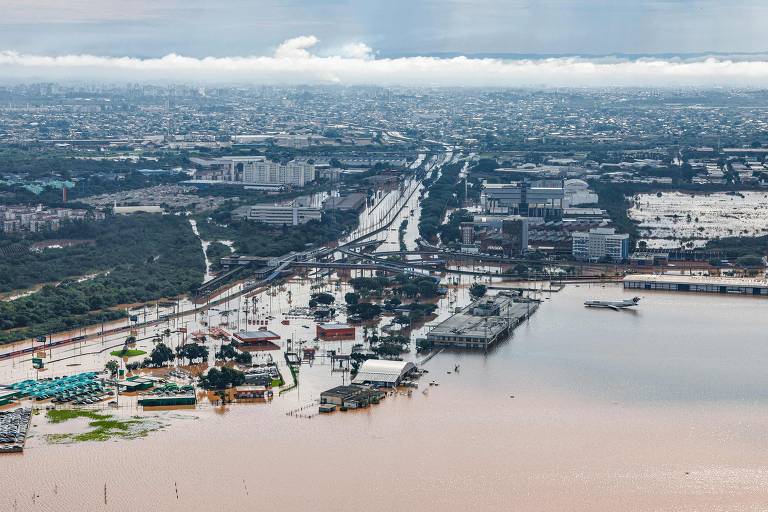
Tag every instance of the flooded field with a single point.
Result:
(580, 410)
(672, 219)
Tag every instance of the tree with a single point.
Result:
(401, 319)
(222, 378)
(750, 260)
(427, 288)
(244, 358)
(112, 366)
(409, 290)
(192, 352)
(368, 311)
(227, 352)
(161, 355)
(424, 345)
(520, 269)
(323, 298)
(351, 298)
(477, 290)
(388, 349)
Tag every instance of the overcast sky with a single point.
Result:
(380, 29)
(245, 27)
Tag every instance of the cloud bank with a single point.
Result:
(294, 62)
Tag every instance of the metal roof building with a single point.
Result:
(707, 284)
(381, 372)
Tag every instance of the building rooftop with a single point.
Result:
(334, 326)
(382, 370)
(465, 323)
(257, 335)
(688, 279)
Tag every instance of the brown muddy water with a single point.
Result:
(663, 408)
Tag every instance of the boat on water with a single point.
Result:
(613, 304)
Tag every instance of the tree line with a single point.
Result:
(143, 258)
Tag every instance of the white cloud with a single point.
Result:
(293, 62)
(296, 48)
(356, 51)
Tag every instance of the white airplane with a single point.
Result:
(613, 304)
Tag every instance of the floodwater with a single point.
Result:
(662, 408)
(670, 218)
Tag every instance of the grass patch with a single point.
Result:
(127, 353)
(294, 371)
(62, 415)
(103, 427)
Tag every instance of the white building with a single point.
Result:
(290, 215)
(600, 243)
(258, 170)
(265, 172)
(577, 192)
(380, 372)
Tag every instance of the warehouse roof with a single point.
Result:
(382, 370)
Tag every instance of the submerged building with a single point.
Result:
(352, 397)
(702, 284)
(482, 323)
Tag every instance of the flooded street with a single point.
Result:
(632, 410)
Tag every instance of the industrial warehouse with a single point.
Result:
(483, 323)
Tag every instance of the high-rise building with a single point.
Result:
(514, 235)
(601, 243)
(467, 233)
(543, 200)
